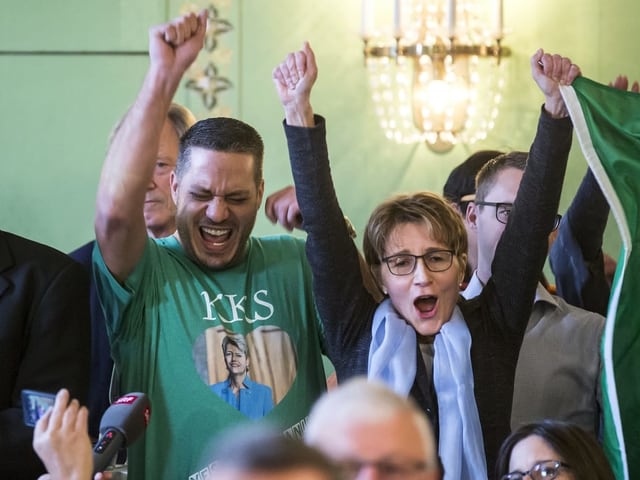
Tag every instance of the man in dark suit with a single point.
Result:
(44, 340)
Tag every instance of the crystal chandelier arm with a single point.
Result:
(294, 77)
(437, 50)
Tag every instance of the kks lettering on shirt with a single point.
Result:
(261, 308)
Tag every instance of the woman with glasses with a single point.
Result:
(550, 450)
(456, 358)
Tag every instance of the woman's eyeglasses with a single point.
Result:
(405, 263)
(545, 470)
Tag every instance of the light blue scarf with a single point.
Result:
(392, 354)
(461, 446)
(392, 360)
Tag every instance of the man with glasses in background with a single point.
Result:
(460, 191)
(559, 366)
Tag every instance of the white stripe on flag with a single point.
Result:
(584, 138)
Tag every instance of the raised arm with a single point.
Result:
(576, 256)
(128, 168)
(522, 249)
(549, 72)
(294, 79)
(508, 295)
(332, 255)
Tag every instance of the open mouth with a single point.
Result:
(215, 236)
(426, 304)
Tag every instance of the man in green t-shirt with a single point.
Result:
(169, 302)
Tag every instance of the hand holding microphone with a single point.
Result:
(61, 437)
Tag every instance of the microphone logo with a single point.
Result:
(126, 400)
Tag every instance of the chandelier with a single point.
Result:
(434, 68)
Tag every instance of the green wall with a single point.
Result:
(57, 110)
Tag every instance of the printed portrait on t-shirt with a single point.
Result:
(251, 372)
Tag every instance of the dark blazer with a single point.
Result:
(101, 362)
(44, 340)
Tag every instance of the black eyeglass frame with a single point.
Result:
(415, 261)
(557, 466)
(497, 205)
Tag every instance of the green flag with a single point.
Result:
(607, 124)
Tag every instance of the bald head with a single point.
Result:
(365, 427)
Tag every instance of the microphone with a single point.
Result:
(121, 424)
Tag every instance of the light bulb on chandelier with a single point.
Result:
(435, 73)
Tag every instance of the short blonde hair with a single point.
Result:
(237, 340)
(179, 116)
(422, 208)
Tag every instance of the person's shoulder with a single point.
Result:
(83, 253)
(277, 238)
(218, 387)
(166, 249)
(36, 264)
(278, 242)
(582, 318)
(24, 250)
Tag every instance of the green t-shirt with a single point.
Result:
(166, 325)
